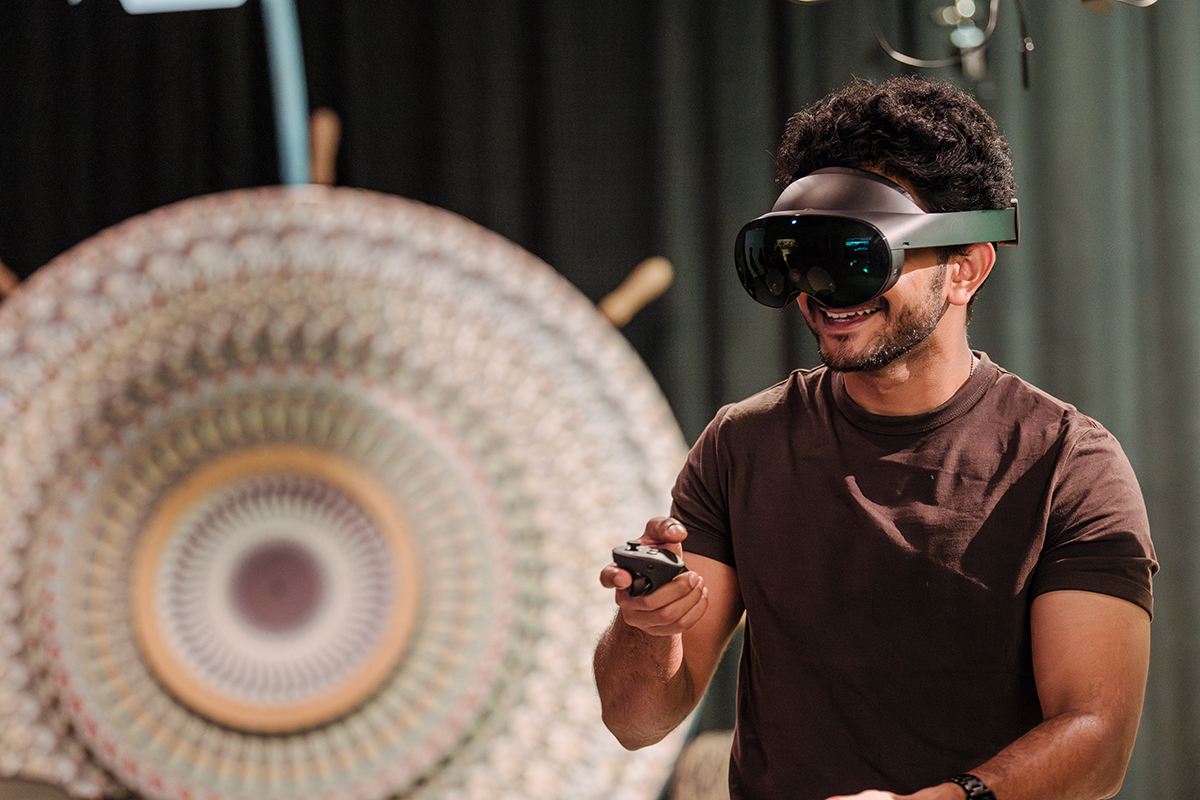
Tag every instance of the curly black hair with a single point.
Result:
(929, 133)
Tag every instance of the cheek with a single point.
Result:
(807, 308)
(923, 286)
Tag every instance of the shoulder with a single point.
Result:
(803, 391)
(1026, 430)
(1016, 393)
(1029, 408)
(1091, 476)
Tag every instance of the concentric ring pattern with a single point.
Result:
(303, 494)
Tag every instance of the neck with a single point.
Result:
(916, 383)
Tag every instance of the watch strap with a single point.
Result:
(975, 788)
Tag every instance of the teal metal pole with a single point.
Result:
(290, 89)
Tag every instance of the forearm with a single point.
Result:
(645, 689)
(1075, 755)
(1071, 756)
(1091, 653)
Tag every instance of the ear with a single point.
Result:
(967, 271)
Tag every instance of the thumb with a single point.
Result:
(664, 531)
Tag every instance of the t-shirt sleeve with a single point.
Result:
(1098, 534)
(698, 499)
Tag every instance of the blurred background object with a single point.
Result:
(303, 493)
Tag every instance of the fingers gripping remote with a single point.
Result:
(651, 567)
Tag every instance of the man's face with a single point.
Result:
(873, 335)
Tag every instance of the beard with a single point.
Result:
(904, 333)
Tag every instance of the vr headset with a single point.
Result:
(839, 236)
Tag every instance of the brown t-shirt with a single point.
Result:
(887, 565)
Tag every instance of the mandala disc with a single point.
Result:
(304, 495)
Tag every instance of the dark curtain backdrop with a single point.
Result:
(596, 134)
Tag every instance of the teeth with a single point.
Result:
(848, 314)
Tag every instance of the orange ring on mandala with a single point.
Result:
(284, 561)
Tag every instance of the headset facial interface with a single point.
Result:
(839, 235)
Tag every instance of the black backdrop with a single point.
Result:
(529, 118)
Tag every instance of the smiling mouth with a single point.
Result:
(847, 316)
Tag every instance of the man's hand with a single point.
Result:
(943, 791)
(654, 662)
(676, 606)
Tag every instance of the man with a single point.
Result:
(945, 573)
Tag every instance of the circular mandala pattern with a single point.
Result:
(267, 596)
(307, 491)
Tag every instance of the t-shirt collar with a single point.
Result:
(968, 395)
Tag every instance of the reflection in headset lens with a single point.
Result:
(840, 262)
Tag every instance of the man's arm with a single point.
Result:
(654, 663)
(1091, 653)
(8, 281)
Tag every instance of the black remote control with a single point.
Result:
(651, 567)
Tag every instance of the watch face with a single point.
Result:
(304, 493)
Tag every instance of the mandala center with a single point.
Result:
(277, 587)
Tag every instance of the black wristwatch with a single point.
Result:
(975, 788)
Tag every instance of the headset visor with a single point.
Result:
(841, 262)
(844, 260)
(839, 236)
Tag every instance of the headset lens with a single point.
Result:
(839, 261)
